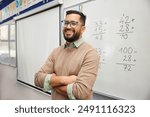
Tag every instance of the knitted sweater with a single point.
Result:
(82, 61)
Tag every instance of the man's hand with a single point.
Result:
(61, 87)
(68, 79)
(62, 80)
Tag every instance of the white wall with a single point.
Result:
(68, 3)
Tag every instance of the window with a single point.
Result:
(8, 44)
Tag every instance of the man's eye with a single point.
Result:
(73, 23)
(66, 23)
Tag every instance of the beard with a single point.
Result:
(73, 38)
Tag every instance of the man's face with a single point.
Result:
(73, 28)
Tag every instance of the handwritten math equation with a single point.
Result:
(127, 59)
(126, 55)
(99, 29)
(126, 26)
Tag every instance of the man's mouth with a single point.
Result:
(68, 33)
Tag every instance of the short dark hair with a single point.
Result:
(82, 16)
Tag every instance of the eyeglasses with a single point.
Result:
(72, 24)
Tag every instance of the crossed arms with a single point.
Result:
(59, 83)
(79, 85)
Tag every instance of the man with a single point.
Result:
(71, 69)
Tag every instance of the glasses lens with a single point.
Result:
(72, 24)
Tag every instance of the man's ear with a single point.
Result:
(83, 28)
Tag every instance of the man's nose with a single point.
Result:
(68, 26)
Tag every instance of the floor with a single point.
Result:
(6, 59)
(11, 89)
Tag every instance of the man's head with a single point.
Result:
(74, 25)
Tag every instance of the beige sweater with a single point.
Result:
(82, 62)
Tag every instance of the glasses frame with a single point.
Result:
(72, 24)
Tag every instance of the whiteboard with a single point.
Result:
(37, 36)
(120, 31)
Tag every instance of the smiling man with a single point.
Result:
(71, 69)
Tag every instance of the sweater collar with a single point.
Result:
(74, 44)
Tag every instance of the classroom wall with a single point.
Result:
(69, 3)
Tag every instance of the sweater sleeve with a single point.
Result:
(82, 88)
(47, 86)
(69, 92)
(46, 69)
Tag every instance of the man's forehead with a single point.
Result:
(73, 16)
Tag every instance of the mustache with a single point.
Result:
(69, 30)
